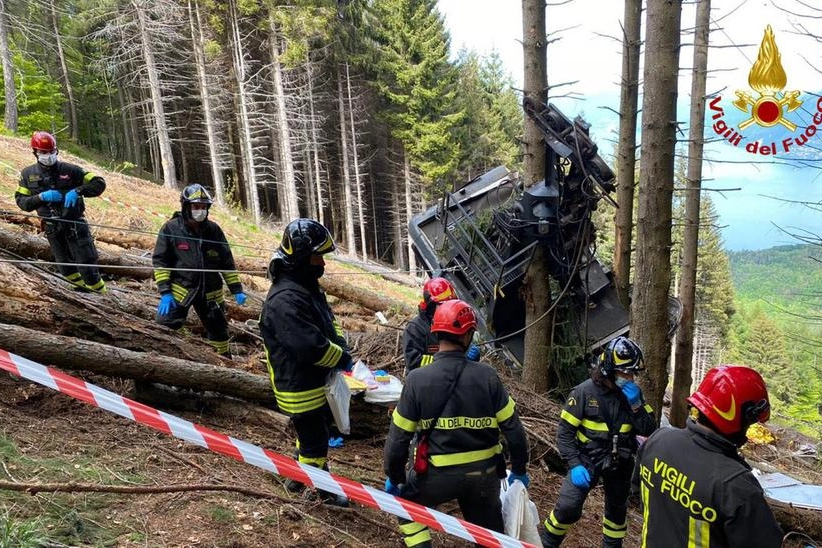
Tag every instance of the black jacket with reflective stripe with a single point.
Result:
(62, 176)
(303, 342)
(698, 492)
(583, 436)
(469, 426)
(179, 247)
(419, 344)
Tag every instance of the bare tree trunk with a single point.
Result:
(351, 240)
(409, 212)
(357, 181)
(314, 166)
(690, 247)
(158, 114)
(75, 131)
(288, 186)
(246, 147)
(202, 79)
(537, 293)
(10, 120)
(626, 149)
(652, 275)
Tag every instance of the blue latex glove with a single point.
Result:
(580, 477)
(391, 489)
(526, 481)
(345, 363)
(167, 303)
(71, 198)
(335, 443)
(473, 353)
(632, 392)
(51, 196)
(240, 298)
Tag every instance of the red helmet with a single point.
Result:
(437, 290)
(455, 317)
(43, 141)
(732, 397)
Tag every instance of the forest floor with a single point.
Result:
(47, 438)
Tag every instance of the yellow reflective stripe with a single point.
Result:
(231, 277)
(625, 428)
(300, 402)
(331, 357)
(73, 277)
(319, 462)
(162, 275)
(582, 437)
(403, 423)
(270, 368)
(699, 533)
(506, 412)
(220, 346)
(88, 177)
(419, 538)
(179, 292)
(338, 329)
(24, 191)
(466, 457)
(594, 425)
(472, 423)
(99, 286)
(569, 418)
(426, 360)
(648, 408)
(411, 528)
(211, 295)
(644, 494)
(613, 530)
(554, 526)
(326, 246)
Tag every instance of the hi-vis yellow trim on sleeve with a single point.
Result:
(331, 356)
(23, 190)
(582, 437)
(215, 296)
(88, 177)
(179, 292)
(506, 412)
(231, 277)
(415, 539)
(300, 402)
(338, 329)
(403, 423)
(162, 275)
(648, 408)
(426, 360)
(569, 418)
(465, 458)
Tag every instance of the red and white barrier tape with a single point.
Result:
(251, 454)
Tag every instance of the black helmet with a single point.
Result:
(302, 238)
(621, 354)
(194, 194)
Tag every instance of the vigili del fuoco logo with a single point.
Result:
(767, 105)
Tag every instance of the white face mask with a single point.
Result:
(47, 159)
(199, 215)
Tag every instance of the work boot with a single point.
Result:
(294, 486)
(332, 499)
(549, 540)
(99, 287)
(608, 542)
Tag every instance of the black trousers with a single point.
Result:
(312, 436)
(568, 509)
(212, 315)
(475, 486)
(71, 242)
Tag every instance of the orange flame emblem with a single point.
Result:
(767, 77)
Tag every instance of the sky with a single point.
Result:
(758, 213)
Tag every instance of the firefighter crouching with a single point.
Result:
(596, 437)
(459, 406)
(697, 491)
(303, 341)
(56, 190)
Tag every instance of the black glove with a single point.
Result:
(345, 363)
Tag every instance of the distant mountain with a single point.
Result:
(789, 276)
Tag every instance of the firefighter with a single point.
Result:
(696, 489)
(303, 341)
(459, 407)
(419, 344)
(189, 240)
(56, 190)
(596, 437)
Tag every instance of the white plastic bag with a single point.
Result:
(519, 514)
(385, 393)
(339, 400)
